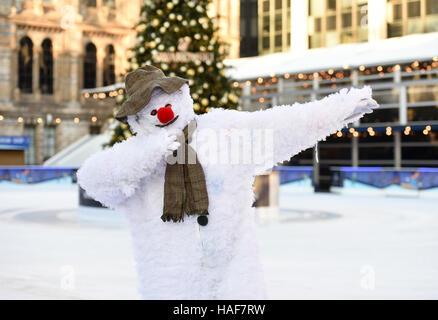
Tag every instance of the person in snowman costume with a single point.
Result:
(189, 207)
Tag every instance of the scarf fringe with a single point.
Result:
(170, 217)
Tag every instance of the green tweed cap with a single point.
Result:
(139, 85)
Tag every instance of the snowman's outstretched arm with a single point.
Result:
(113, 175)
(296, 127)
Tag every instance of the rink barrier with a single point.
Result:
(377, 177)
(37, 174)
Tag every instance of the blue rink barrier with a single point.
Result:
(413, 178)
(408, 178)
(292, 174)
(37, 174)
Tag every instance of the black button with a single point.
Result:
(175, 153)
(203, 220)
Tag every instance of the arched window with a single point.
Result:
(90, 66)
(46, 67)
(25, 59)
(109, 76)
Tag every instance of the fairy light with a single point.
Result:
(40, 120)
(287, 76)
(346, 66)
(93, 119)
(428, 128)
(76, 120)
(20, 119)
(260, 80)
(388, 131)
(435, 58)
(425, 132)
(355, 134)
(339, 134)
(120, 91)
(379, 68)
(261, 100)
(87, 95)
(362, 68)
(351, 130)
(58, 120)
(1, 117)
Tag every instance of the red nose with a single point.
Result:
(165, 114)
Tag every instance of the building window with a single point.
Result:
(25, 59)
(90, 66)
(328, 31)
(29, 153)
(109, 76)
(49, 142)
(407, 17)
(109, 3)
(331, 23)
(46, 67)
(266, 6)
(274, 20)
(431, 7)
(414, 9)
(91, 3)
(331, 4)
(249, 28)
(346, 20)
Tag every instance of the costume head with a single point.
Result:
(156, 102)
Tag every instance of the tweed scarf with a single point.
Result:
(185, 190)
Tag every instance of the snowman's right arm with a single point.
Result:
(113, 175)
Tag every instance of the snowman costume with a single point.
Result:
(219, 260)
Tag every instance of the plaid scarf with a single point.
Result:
(185, 190)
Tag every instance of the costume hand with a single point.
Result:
(364, 106)
(172, 144)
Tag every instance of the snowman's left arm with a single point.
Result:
(290, 129)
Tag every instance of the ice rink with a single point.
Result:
(319, 246)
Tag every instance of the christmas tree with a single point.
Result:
(180, 38)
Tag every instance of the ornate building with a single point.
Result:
(49, 52)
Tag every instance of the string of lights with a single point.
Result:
(303, 79)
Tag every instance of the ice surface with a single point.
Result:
(318, 246)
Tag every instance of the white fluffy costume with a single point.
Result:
(185, 260)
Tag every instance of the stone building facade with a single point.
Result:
(49, 52)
